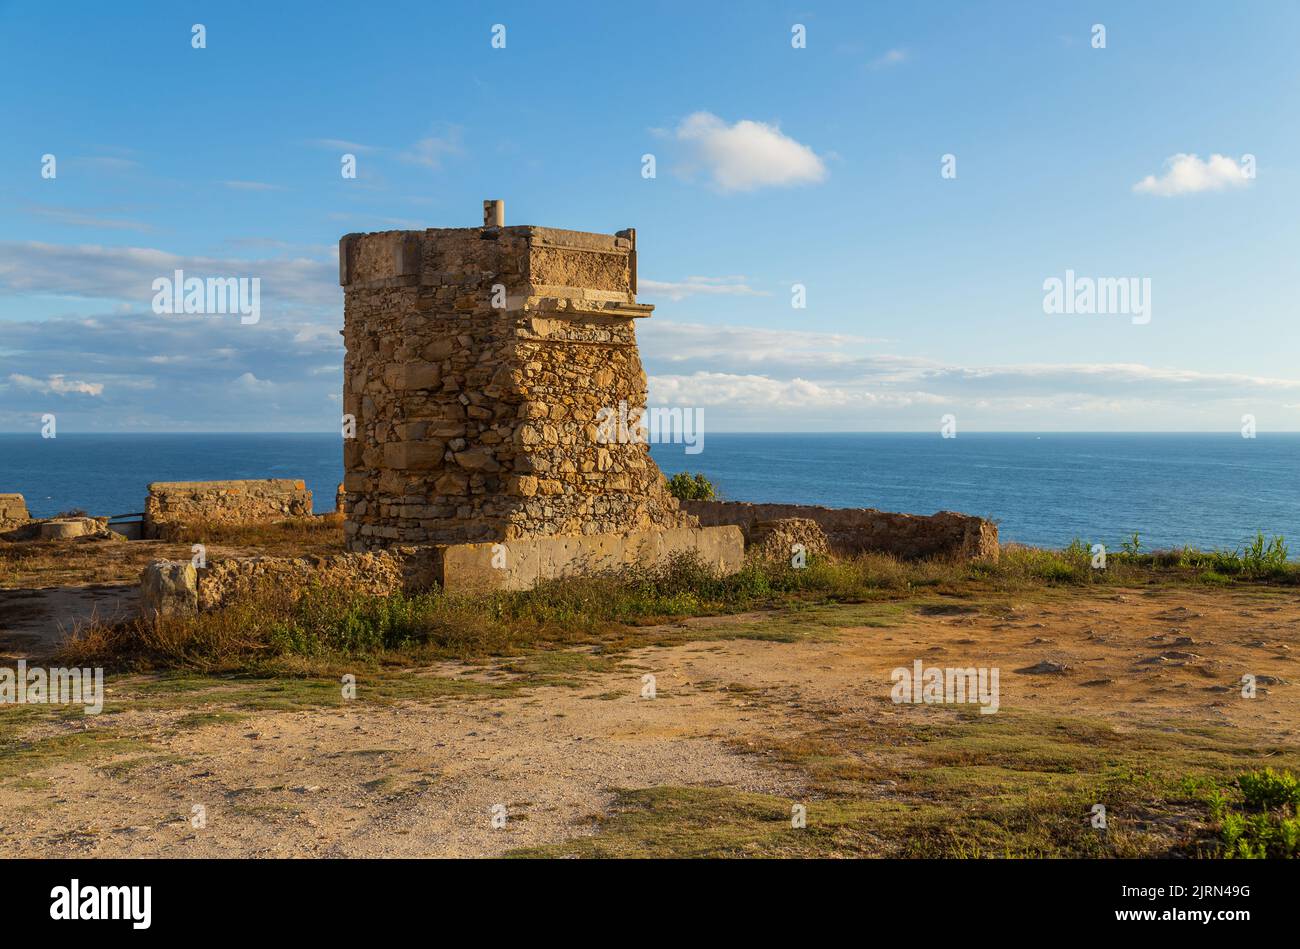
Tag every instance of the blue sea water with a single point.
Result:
(1208, 490)
(110, 474)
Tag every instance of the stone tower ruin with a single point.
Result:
(480, 364)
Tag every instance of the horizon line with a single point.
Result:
(988, 431)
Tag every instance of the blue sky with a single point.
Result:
(774, 166)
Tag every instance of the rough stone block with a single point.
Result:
(522, 563)
(13, 511)
(778, 539)
(413, 375)
(413, 456)
(169, 588)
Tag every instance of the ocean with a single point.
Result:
(1207, 490)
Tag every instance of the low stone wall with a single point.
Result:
(172, 504)
(779, 539)
(13, 511)
(522, 564)
(857, 530)
(408, 569)
(176, 587)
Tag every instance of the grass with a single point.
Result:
(330, 625)
(304, 535)
(702, 822)
(199, 719)
(39, 563)
(213, 699)
(317, 631)
(1254, 817)
(19, 758)
(124, 768)
(1012, 785)
(1261, 559)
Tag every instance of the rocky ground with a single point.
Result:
(1098, 689)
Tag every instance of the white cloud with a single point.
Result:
(889, 58)
(80, 218)
(432, 149)
(362, 220)
(308, 332)
(748, 154)
(251, 186)
(894, 380)
(741, 348)
(56, 385)
(127, 273)
(770, 379)
(250, 383)
(105, 162)
(1187, 174)
(342, 145)
(691, 286)
(758, 391)
(173, 373)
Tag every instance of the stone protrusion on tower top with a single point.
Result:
(480, 363)
(494, 213)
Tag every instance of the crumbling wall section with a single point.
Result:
(381, 573)
(856, 530)
(13, 511)
(173, 504)
(176, 587)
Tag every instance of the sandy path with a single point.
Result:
(411, 779)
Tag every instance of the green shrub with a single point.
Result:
(1262, 558)
(327, 621)
(1268, 789)
(1078, 552)
(1072, 565)
(692, 487)
(1272, 830)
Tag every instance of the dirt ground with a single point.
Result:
(421, 776)
(64, 585)
(34, 621)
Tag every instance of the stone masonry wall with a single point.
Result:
(855, 530)
(13, 511)
(174, 503)
(171, 587)
(381, 573)
(477, 422)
